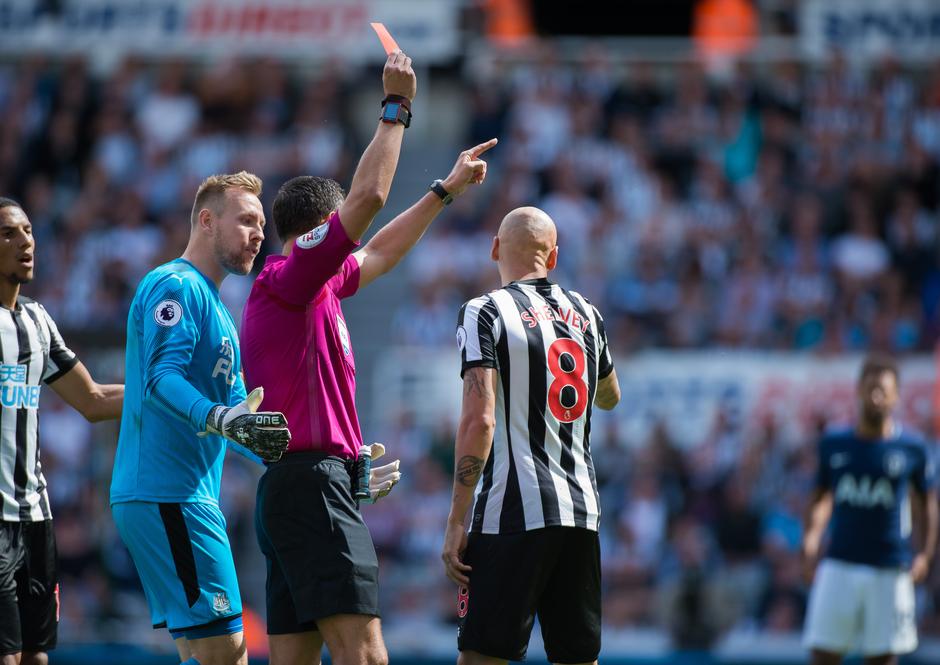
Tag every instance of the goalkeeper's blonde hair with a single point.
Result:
(213, 188)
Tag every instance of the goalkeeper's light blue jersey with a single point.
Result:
(182, 359)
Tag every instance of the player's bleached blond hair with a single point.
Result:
(212, 189)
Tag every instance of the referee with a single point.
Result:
(534, 360)
(322, 581)
(32, 352)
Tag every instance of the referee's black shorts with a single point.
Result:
(29, 603)
(554, 573)
(320, 556)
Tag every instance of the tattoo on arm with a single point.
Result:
(474, 383)
(469, 469)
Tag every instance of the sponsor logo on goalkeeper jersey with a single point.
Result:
(14, 393)
(225, 362)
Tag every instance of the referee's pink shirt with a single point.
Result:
(295, 343)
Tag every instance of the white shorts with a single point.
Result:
(860, 609)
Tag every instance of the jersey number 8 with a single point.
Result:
(567, 394)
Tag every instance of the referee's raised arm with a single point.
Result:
(373, 177)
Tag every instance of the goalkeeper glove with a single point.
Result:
(381, 478)
(264, 433)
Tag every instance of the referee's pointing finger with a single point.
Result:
(478, 150)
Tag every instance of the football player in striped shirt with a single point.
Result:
(32, 352)
(534, 363)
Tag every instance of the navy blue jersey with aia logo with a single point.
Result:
(870, 481)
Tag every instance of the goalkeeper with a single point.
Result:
(322, 584)
(184, 403)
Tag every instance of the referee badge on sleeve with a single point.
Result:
(314, 238)
(168, 313)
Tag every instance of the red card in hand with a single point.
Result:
(388, 42)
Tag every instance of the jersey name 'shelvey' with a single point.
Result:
(31, 352)
(182, 358)
(550, 350)
(870, 483)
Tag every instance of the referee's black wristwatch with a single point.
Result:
(396, 108)
(438, 188)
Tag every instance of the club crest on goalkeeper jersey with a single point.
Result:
(182, 358)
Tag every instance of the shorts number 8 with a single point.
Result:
(463, 601)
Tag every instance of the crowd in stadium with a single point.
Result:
(797, 213)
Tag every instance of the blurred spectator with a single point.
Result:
(429, 321)
(694, 607)
(169, 113)
(737, 529)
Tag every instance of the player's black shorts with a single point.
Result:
(321, 560)
(29, 603)
(554, 572)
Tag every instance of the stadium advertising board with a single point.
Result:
(687, 391)
(426, 29)
(683, 390)
(905, 29)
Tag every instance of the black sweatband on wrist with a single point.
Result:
(214, 419)
(400, 99)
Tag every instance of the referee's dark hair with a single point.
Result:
(876, 363)
(9, 203)
(302, 203)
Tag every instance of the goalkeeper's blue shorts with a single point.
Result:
(185, 564)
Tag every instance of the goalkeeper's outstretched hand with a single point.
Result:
(264, 433)
(381, 478)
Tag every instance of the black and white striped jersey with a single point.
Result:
(31, 352)
(549, 348)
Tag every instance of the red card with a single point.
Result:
(388, 42)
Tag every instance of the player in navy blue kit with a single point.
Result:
(862, 599)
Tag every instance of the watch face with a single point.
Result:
(391, 111)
